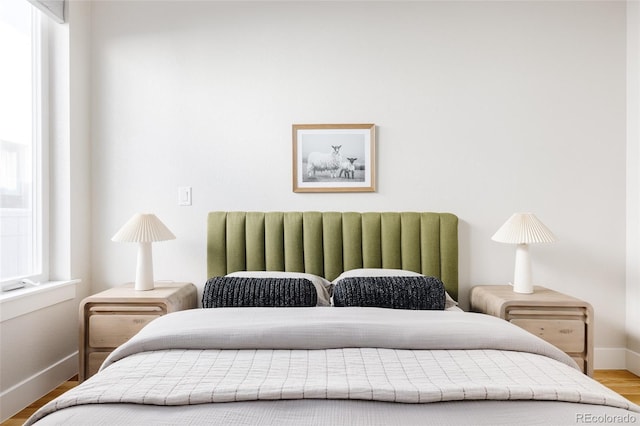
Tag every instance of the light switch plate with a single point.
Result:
(184, 196)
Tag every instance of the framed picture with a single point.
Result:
(334, 158)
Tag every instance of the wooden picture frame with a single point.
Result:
(334, 158)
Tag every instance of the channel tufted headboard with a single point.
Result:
(328, 243)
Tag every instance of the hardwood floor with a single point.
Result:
(624, 382)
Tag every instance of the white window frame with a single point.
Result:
(39, 153)
(41, 132)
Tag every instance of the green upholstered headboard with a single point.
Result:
(328, 243)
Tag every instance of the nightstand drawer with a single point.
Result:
(110, 331)
(95, 360)
(110, 318)
(567, 335)
(563, 321)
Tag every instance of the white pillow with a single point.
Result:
(323, 286)
(381, 272)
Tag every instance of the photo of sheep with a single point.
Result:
(333, 158)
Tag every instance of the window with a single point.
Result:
(21, 136)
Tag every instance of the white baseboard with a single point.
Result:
(617, 359)
(633, 362)
(16, 398)
(610, 359)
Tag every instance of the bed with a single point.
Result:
(370, 335)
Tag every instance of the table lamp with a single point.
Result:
(144, 229)
(523, 229)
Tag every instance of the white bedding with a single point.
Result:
(327, 412)
(252, 355)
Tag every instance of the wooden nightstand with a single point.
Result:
(110, 318)
(561, 320)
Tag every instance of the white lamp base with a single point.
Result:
(522, 282)
(144, 268)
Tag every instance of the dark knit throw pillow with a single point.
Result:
(221, 292)
(424, 293)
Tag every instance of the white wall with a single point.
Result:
(633, 187)
(482, 109)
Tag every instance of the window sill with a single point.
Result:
(26, 300)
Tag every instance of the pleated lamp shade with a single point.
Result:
(523, 229)
(144, 229)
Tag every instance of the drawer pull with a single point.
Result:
(576, 312)
(127, 308)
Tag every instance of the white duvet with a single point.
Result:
(249, 354)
